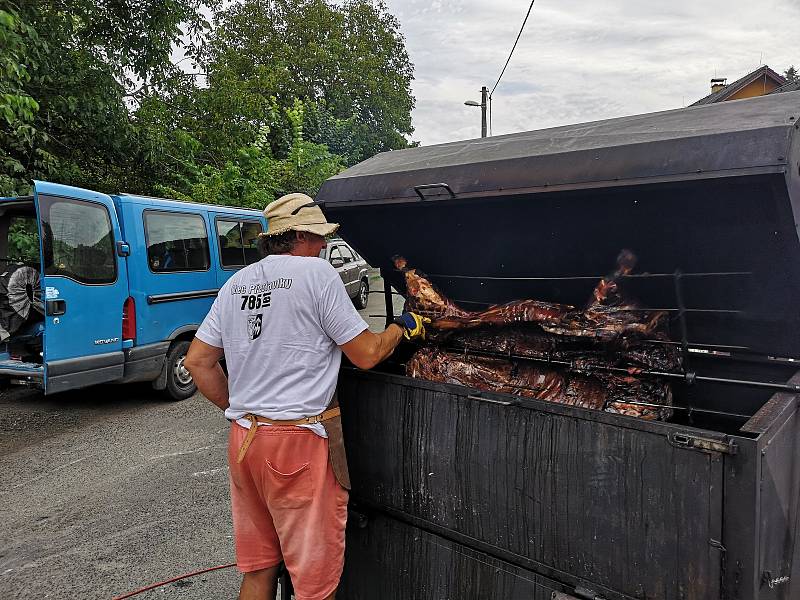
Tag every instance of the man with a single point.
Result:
(282, 325)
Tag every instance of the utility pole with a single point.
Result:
(484, 96)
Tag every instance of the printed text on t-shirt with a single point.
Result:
(253, 302)
(261, 287)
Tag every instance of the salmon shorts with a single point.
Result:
(288, 506)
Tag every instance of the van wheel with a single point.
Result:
(363, 295)
(180, 384)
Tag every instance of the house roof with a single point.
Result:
(739, 84)
(789, 86)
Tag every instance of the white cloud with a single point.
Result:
(581, 60)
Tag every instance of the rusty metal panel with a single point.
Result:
(610, 506)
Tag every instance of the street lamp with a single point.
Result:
(482, 105)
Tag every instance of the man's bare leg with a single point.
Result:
(259, 585)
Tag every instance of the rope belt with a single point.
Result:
(331, 413)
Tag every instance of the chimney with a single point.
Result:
(718, 84)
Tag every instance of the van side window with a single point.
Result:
(78, 240)
(176, 242)
(237, 242)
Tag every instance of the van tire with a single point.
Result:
(180, 384)
(362, 297)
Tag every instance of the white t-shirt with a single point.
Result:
(280, 323)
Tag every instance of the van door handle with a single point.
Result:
(53, 308)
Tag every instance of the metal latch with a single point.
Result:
(685, 440)
(581, 593)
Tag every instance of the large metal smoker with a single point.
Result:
(463, 494)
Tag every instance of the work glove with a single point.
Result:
(413, 325)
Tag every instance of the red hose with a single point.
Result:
(168, 581)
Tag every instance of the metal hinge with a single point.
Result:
(581, 593)
(685, 440)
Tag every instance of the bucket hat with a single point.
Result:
(297, 212)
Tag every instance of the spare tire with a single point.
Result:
(20, 298)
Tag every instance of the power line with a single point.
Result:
(513, 48)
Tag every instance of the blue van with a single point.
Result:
(98, 288)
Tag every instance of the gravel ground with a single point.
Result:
(106, 490)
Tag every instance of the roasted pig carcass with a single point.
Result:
(591, 358)
(600, 391)
(607, 317)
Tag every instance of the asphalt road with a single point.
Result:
(109, 489)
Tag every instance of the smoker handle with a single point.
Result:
(432, 186)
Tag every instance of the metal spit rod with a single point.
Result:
(721, 311)
(590, 277)
(688, 377)
(689, 409)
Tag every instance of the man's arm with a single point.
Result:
(202, 361)
(367, 349)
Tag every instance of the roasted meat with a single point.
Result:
(607, 317)
(498, 375)
(591, 357)
(599, 391)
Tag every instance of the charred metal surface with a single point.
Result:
(392, 560)
(580, 499)
(767, 414)
(587, 502)
(778, 519)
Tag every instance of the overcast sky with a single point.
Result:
(582, 60)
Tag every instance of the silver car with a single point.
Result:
(351, 268)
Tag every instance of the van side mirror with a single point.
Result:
(337, 262)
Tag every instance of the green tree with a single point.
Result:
(791, 74)
(80, 70)
(347, 62)
(21, 154)
(283, 95)
(253, 177)
(23, 239)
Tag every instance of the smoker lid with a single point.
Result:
(711, 192)
(704, 141)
